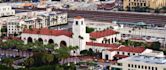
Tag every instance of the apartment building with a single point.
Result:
(34, 19)
(154, 4)
(50, 19)
(6, 10)
(14, 27)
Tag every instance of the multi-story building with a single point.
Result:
(6, 10)
(46, 19)
(141, 62)
(154, 4)
(81, 0)
(76, 37)
(40, 19)
(14, 27)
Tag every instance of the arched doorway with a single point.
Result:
(40, 40)
(63, 44)
(50, 41)
(29, 40)
(106, 57)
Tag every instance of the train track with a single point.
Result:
(116, 16)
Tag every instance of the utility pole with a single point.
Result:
(165, 42)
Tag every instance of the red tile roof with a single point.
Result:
(137, 39)
(102, 45)
(46, 31)
(103, 33)
(132, 49)
(78, 17)
(115, 47)
(120, 56)
(129, 49)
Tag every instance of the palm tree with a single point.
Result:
(47, 58)
(49, 46)
(29, 62)
(13, 43)
(63, 53)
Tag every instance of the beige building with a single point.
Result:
(6, 10)
(154, 4)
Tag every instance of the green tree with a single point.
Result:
(84, 52)
(73, 48)
(157, 10)
(49, 46)
(38, 58)
(8, 61)
(155, 46)
(13, 43)
(29, 62)
(58, 67)
(126, 43)
(164, 8)
(91, 52)
(4, 67)
(93, 39)
(89, 30)
(164, 52)
(15, 34)
(63, 53)
(47, 58)
(4, 29)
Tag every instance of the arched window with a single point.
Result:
(63, 44)
(115, 39)
(50, 41)
(40, 40)
(29, 40)
(112, 40)
(76, 22)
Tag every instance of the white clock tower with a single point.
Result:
(79, 32)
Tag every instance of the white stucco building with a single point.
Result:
(141, 62)
(76, 37)
(6, 10)
(122, 52)
(46, 19)
(14, 27)
(36, 19)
